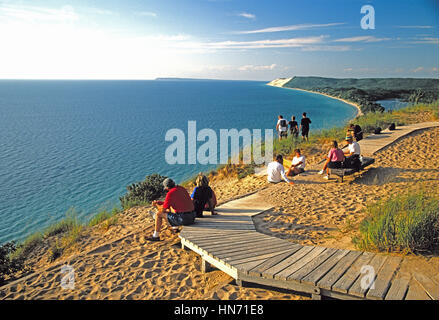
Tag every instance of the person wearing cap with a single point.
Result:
(177, 209)
(353, 153)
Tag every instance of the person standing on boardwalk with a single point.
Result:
(178, 209)
(282, 127)
(294, 128)
(304, 126)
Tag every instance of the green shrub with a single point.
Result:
(144, 192)
(8, 263)
(65, 225)
(29, 245)
(102, 216)
(407, 223)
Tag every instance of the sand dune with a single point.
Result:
(121, 264)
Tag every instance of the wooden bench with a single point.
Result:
(365, 162)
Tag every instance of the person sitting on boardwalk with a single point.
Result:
(276, 171)
(304, 126)
(202, 195)
(294, 129)
(355, 131)
(282, 127)
(297, 165)
(334, 160)
(178, 209)
(352, 155)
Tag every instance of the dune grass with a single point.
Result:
(403, 223)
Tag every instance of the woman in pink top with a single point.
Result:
(334, 160)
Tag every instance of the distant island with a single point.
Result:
(365, 92)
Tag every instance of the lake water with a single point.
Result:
(80, 143)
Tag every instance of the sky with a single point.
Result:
(217, 39)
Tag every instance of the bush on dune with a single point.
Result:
(143, 193)
(404, 223)
(9, 264)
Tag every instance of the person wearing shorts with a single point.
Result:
(177, 209)
(282, 127)
(304, 126)
(294, 128)
(334, 160)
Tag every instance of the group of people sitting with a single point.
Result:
(180, 208)
(337, 159)
(276, 170)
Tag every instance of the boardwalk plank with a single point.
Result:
(429, 286)
(270, 272)
(345, 282)
(312, 265)
(358, 288)
(416, 292)
(291, 268)
(257, 271)
(398, 289)
(382, 282)
(239, 261)
(236, 248)
(337, 272)
(241, 255)
(233, 243)
(318, 273)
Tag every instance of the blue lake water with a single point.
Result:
(79, 144)
(393, 104)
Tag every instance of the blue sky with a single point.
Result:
(221, 39)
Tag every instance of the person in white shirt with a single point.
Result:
(282, 127)
(276, 171)
(297, 165)
(353, 153)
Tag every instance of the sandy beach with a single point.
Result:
(281, 84)
(120, 264)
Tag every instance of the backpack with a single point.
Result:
(283, 123)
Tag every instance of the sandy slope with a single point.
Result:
(314, 213)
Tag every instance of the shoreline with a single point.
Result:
(356, 106)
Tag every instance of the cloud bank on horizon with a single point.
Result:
(216, 39)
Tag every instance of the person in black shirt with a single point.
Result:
(355, 131)
(202, 195)
(304, 125)
(294, 127)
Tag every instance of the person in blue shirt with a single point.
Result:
(202, 195)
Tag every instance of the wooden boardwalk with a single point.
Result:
(230, 243)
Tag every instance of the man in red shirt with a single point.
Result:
(178, 209)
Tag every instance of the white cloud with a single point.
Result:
(268, 43)
(414, 27)
(289, 28)
(38, 14)
(362, 39)
(426, 40)
(326, 48)
(251, 67)
(146, 14)
(247, 15)
(418, 69)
